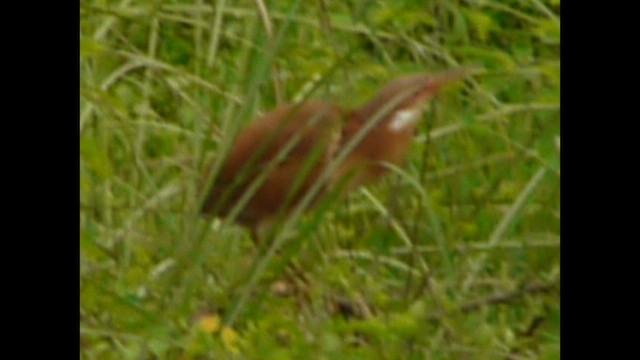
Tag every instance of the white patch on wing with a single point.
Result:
(402, 119)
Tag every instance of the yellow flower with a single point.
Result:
(209, 323)
(230, 340)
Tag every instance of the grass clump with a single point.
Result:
(455, 255)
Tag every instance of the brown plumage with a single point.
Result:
(282, 155)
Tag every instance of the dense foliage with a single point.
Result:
(454, 256)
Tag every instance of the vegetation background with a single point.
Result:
(454, 256)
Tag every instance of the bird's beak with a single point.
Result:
(435, 82)
(423, 87)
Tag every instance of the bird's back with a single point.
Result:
(276, 159)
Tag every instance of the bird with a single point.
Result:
(311, 148)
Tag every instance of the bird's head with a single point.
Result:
(399, 104)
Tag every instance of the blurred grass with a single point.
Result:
(455, 255)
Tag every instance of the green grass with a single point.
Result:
(455, 255)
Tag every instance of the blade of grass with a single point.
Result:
(502, 227)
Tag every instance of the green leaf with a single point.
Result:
(551, 73)
(399, 15)
(481, 23)
(90, 48)
(522, 50)
(88, 243)
(405, 325)
(95, 158)
(488, 57)
(547, 148)
(549, 31)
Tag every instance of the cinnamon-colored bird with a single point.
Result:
(316, 146)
